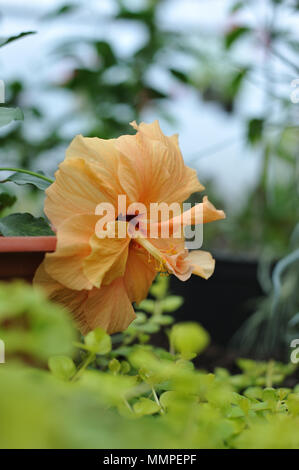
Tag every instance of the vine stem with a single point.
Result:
(28, 172)
(269, 373)
(90, 357)
(157, 400)
(128, 405)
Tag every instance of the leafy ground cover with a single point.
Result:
(61, 391)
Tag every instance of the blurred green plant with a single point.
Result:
(119, 394)
(274, 325)
(108, 93)
(19, 224)
(224, 67)
(109, 89)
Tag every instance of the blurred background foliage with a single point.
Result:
(107, 89)
(96, 89)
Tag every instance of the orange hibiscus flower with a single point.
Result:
(98, 277)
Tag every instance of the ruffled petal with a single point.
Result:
(179, 265)
(182, 180)
(65, 265)
(201, 213)
(108, 307)
(203, 264)
(77, 189)
(72, 300)
(168, 255)
(107, 260)
(140, 273)
(87, 177)
(102, 156)
(143, 167)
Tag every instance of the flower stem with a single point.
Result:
(28, 172)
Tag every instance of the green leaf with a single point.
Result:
(172, 303)
(254, 393)
(145, 406)
(7, 115)
(24, 178)
(22, 225)
(5, 41)
(6, 200)
(293, 403)
(237, 81)
(63, 10)
(62, 367)
(148, 305)
(32, 326)
(270, 397)
(154, 94)
(189, 339)
(114, 366)
(255, 130)
(125, 367)
(232, 36)
(162, 319)
(148, 328)
(169, 399)
(181, 76)
(140, 318)
(106, 53)
(98, 342)
(160, 287)
(236, 6)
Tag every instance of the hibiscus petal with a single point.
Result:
(102, 156)
(185, 178)
(179, 265)
(202, 262)
(65, 265)
(143, 167)
(139, 274)
(203, 212)
(108, 307)
(73, 300)
(76, 190)
(107, 260)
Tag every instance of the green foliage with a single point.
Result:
(109, 89)
(7, 115)
(97, 342)
(62, 367)
(5, 41)
(153, 399)
(23, 224)
(276, 319)
(145, 406)
(63, 10)
(20, 225)
(234, 35)
(22, 178)
(6, 200)
(255, 130)
(266, 218)
(31, 326)
(188, 339)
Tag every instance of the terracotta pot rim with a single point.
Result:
(27, 244)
